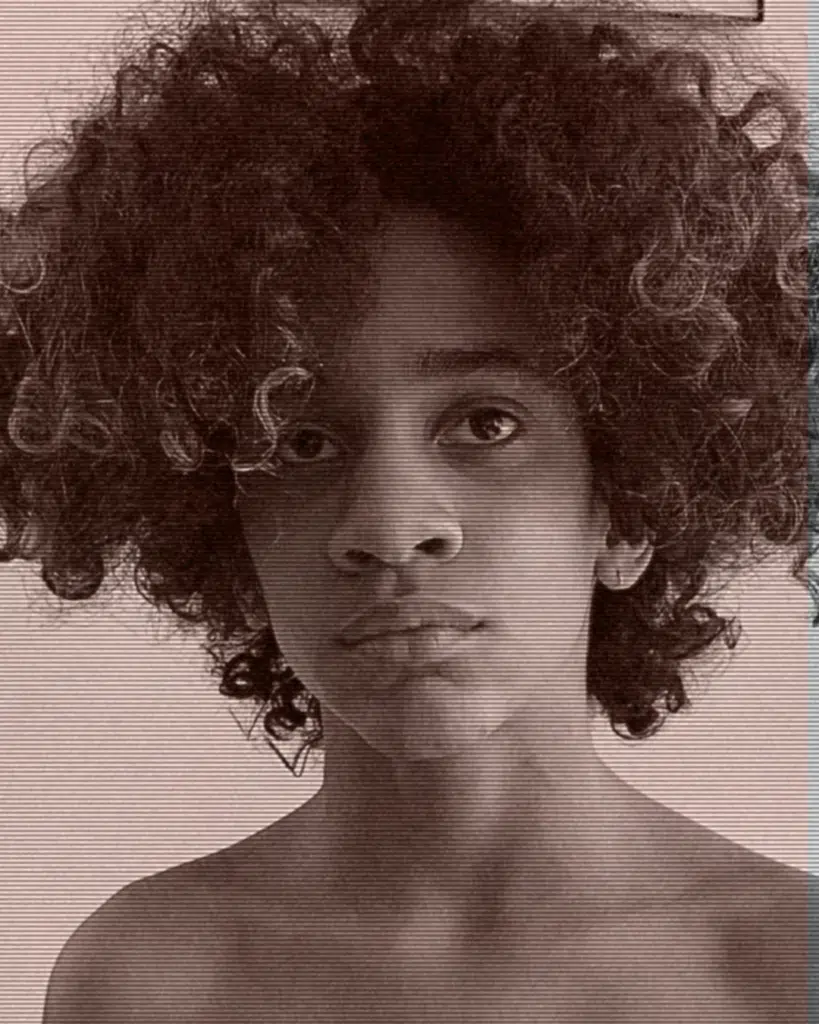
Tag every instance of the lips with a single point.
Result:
(403, 616)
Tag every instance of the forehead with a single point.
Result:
(421, 249)
(437, 288)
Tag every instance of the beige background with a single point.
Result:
(119, 758)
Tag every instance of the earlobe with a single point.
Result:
(643, 559)
(639, 561)
(624, 563)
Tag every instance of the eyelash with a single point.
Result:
(477, 409)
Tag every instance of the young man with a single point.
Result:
(541, 294)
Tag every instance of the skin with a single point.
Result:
(449, 804)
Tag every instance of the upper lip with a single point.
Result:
(399, 616)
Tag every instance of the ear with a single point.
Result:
(613, 555)
(640, 556)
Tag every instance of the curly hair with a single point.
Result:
(169, 287)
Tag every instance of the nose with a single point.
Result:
(393, 518)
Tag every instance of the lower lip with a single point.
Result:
(416, 645)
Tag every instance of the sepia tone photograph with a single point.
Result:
(429, 721)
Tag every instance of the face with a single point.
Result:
(472, 489)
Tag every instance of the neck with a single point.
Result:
(463, 843)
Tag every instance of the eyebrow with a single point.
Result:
(432, 363)
(441, 362)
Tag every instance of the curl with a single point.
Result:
(169, 289)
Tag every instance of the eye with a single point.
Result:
(484, 422)
(481, 422)
(309, 449)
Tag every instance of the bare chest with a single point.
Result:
(673, 969)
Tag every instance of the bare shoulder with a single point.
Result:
(765, 940)
(149, 953)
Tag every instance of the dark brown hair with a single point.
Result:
(245, 153)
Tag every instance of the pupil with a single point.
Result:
(490, 417)
(312, 449)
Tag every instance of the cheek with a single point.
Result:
(273, 519)
(295, 581)
(545, 519)
(539, 560)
